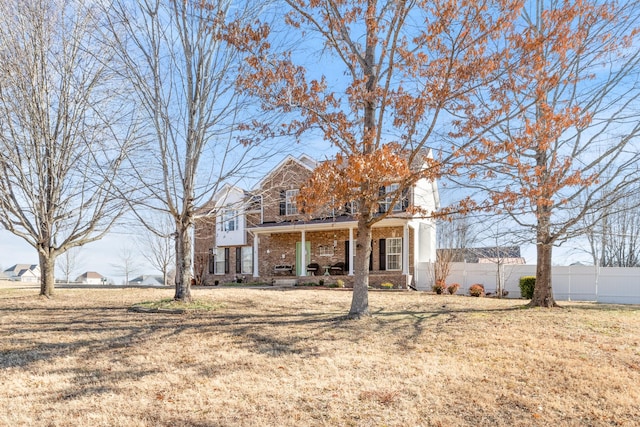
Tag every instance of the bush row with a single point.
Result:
(527, 285)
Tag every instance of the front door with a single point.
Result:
(299, 263)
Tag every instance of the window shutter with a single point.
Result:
(382, 208)
(238, 260)
(346, 255)
(371, 257)
(212, 262)
(226, 260)
(382, 243)
(283, 202)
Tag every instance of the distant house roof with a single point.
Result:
(476, 255)
(89, 275)
(20, 270)
(148, 279)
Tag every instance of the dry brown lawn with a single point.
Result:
(290, 358)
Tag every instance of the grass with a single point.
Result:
(171, 305)
(290, 358)
(244, 284)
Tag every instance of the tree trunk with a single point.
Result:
(183, 262)
(543, 292)
(360, 299)
(47, 272)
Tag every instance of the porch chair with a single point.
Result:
(313, 268)
(337, 268)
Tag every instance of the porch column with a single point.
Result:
(417, 236)
(303, 254)
(351, 252)
(405, 250)
(256, 269)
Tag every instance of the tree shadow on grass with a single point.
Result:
(107, 328)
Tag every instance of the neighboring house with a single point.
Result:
(90, 278)
(147, 280)
(259, 235)
(486, 255)
(23, 273)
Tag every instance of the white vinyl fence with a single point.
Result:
(619, 285)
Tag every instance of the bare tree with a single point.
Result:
(501, 243)
(614, 237)
(63, 127)
(128, 264)
(184, 74)
(159, 249)
(67, 263)
(454, 235)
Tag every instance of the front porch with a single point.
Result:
(326, 251)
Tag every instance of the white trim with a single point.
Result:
(351, 243)
(256, 270)
(405, 250)
(303, 254)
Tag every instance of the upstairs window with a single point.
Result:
(229, 220)
(254, 203)
(390, 192)
(352, 208)
(291, 204)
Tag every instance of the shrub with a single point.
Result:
(387, 285)
(453, 288)
(476, 290)
(321, 282)
(527, 284)
(439, 287)
(340, 283)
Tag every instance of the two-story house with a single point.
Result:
(23, 273)
(260, 235)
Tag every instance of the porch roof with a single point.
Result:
(341, 222)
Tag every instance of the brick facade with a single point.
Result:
(326, 247)
(290, 176)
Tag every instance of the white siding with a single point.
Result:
(231, 199)
(424, 195)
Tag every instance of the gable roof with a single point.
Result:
(304, 161)
(90, 275)
(147, 279)
(19, 270)
(210, 207)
